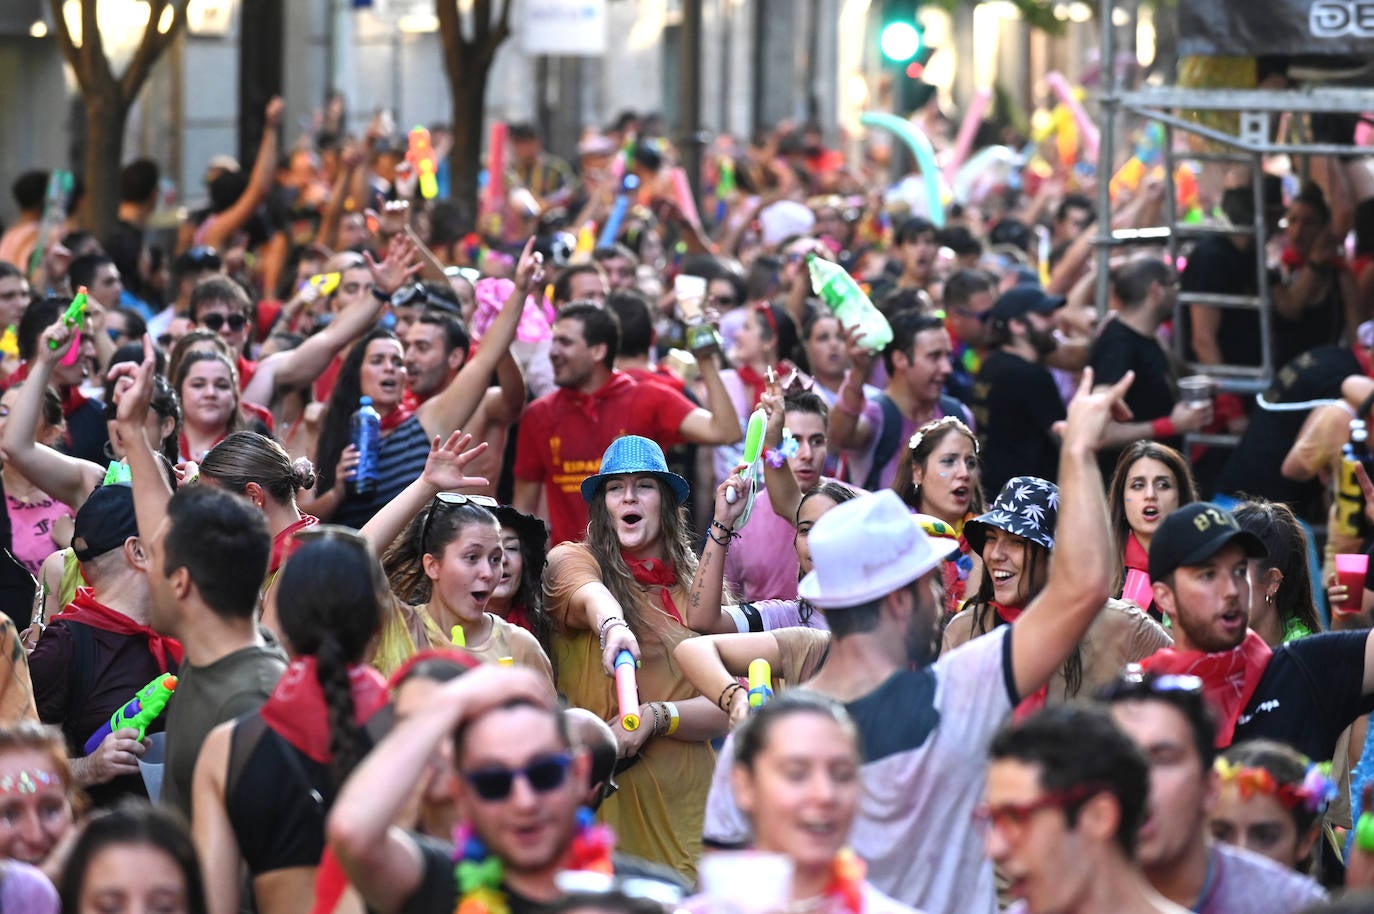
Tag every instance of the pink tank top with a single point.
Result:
(32, 530)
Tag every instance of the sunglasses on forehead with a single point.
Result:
(1134, 681)
(452, 500)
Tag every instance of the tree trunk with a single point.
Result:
(105, 117)
(465, 159)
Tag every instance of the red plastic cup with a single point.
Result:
(1351, 568)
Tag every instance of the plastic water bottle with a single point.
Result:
(365, 433)
(849, 303)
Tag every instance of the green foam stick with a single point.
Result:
(753, 438)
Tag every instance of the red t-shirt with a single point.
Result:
(246, 370)
(564, 433)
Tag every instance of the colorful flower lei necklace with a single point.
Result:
(846, 887)
(478, 876)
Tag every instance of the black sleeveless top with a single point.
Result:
(277, 798)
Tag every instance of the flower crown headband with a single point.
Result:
(936, 425)
(1313, 794)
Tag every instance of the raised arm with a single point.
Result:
(781, 486)
(213, 833)
(717, 423)
(1083, 562)
(68, 479)
(704, 613)
(226, 223)
(848, 427)
(151, 490)
(303, 364)
(455, 404)
(443, 472)
(712, 663)
(382, 861)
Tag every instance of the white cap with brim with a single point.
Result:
(865, 549)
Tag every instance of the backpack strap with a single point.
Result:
(953, 406)
(887, 441)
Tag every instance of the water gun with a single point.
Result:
(9, 343)
(611, 229)
(725, 186)
(753, 450)
(760, 683)
(74, 317)
(627, 690)
(54, 216)
(421, 156)
(326, 283)
(141, 711)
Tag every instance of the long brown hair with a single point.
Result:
(928, 438)
(615, 574)
(1116, 494)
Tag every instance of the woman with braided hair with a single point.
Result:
(264, 782)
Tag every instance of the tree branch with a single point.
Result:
(64, 41)
(152, 45)
(93, 47)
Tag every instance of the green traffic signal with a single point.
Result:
(900, 41)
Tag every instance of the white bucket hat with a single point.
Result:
(865, 549)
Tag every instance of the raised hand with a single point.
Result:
(447, 459)
(401, 263)
(529, 269)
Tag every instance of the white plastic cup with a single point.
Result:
(747, 882)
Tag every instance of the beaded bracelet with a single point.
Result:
(606, 626)
(721, 702)
(728, 534)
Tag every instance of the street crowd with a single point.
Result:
(669, 577)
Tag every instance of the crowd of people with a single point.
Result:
(1025, 644)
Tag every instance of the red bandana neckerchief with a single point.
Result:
(392, 420)
(297, 711)
(1035, 700)
(84, 608)
(655, 573)
(589, 404)
(285, 543)
(1229, 678)
(1135, 555)
(184, 446)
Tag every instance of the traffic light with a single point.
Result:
(901, 37)
(902, 40)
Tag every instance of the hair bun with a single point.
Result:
(302, 473)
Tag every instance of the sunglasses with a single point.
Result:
(1012, 819)
(495, 783)
(1135, 682)
(214, 322)
(452, 500)
(722, 301)
(204, 257)
(413, 294)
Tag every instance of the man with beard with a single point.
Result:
(925, 725)
(1166, 716)
(1015, 400)
(518, 782)
(1145, 292)
(1303, 693)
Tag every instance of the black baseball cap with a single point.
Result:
(104, 522)
(1020, 300)
(1195, 533)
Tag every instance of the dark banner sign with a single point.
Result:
(1253, 27)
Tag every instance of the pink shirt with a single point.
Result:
(31, 526)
